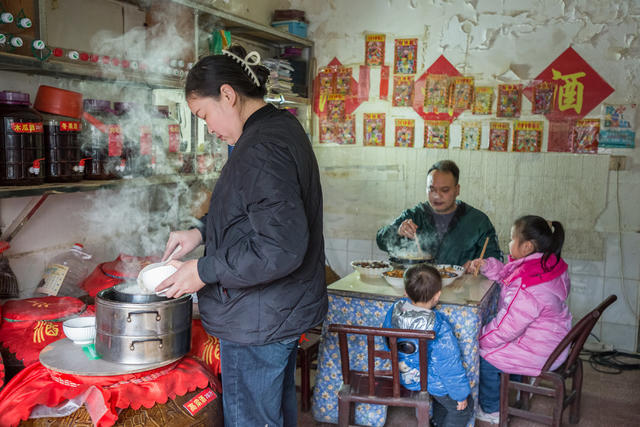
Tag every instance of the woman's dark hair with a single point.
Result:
(422, 282)
(546, 238)
(446, 166)
(211, 72)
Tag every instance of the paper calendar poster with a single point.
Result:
(402, 90)
(584, 136)
(343, 81)
(618, 127)
(373, 127)
(471, 134)
(436, 94)
(509, 100)
(342, 132)
(482, 100)
(527, 136)
(543, 98)
(374, 49)
(405, 132)
(436, 134)
(498, 136)
(405, 56)
(326, 79)
(461, 93)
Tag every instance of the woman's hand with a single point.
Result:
(462, 405)
(184, 281)
(474, 266)
(188, 239)
(408, 229)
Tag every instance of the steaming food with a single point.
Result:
(371, 264)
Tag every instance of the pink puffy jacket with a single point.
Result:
(532, 317)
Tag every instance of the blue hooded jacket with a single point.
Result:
(446, 375)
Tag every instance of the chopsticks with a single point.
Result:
(484, 248)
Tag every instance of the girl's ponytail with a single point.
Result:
(557, 240)
(547, 237)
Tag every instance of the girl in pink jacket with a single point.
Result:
(532, 317)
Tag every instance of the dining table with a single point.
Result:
(467, 303)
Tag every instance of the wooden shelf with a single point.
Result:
(74, 187)
(86, 71)
(246, 28)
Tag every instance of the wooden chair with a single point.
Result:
(380, 387)
(554, 381)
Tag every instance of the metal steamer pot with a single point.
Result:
(154, 330)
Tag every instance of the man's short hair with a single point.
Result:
(422, 282)
(446, 166)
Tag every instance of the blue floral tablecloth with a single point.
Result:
(466, 320)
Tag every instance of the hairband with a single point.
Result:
(252, 59)
(550, 225)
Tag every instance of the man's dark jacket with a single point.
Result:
(264, 252)
(462, 242)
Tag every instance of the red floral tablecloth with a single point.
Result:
(103, 396)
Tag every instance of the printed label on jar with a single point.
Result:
(70, 126)
(52, 279)
(174, 138)
(115, 141)
(145, 141)
(27, 127)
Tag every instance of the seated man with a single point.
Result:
(451, 231)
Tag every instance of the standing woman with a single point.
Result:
(261, 280)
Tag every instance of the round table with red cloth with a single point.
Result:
(104, 396)
(205, 347)
(31, 324)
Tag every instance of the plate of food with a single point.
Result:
(394, 278)
(368, 268)
(449, 273)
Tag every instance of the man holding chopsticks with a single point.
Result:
(451, 231)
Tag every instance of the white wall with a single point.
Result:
(366, 187)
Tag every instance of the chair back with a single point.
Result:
(577, 336)
(392, 335)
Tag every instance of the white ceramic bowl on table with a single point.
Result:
(369, 268)
(392, 280)
(449, 273)
(80, 330)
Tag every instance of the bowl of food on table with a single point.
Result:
(369, 268)
(404, 260)
(449, 273)
(395, 277)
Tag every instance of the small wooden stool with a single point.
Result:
(307, 353)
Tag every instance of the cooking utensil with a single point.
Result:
(135, 333)
(155, 265)
(406, 262)
(131, 292)
(484, 248)
(58, 101)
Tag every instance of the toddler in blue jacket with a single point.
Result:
(447, 380)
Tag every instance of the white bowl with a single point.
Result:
(80, 330)
(151, 278)
(454, 271)
(370, 271)
(396, 282)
